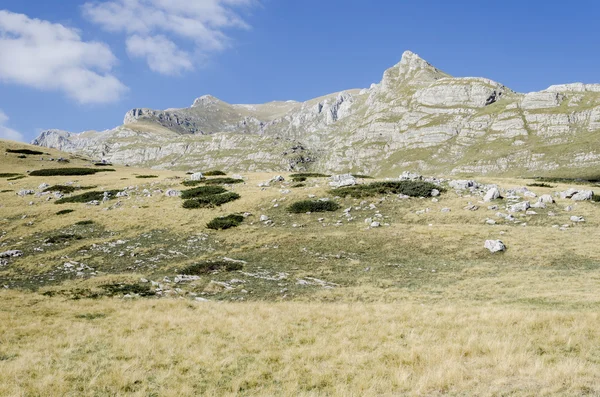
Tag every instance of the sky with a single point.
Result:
(80, 65)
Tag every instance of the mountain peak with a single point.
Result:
(205, 100)
(412, 70)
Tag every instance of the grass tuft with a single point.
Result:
(8, 175)
(309, 175)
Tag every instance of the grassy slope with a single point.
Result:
(419, 307)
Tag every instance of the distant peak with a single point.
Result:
(413, 60)
(205, 100)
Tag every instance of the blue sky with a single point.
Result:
(107, 58)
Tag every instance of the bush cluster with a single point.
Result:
(86, 197)
(64, 212)
(538, 184)
(61, 238)
(84, 223)
(200, 268)
(202, 191)
(225, 222)
(300, 207)
(360, 176)
(222, 181)
(124, 289)
(68, 171)
(215, 200)
(8, 174)
(214, 173)
(25, 151)
(309, 175)
(146, 176)
(409, 188)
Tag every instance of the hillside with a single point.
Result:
(417, 117)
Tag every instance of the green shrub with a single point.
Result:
(16, 178)
(124, 289)
(210, 201)
(25, 151)
(66, 189)
(225, 222)
(102, 164)
(299, 179)
(222, 181)
(409, 188)
(146, 176)
(201, 268)
(8, 175)
(309, 175)
(84, 223)
(214, 173)
(86, 197)
(68, 171)
(298, 185)
(6, 191)
(537, 184)
(202, 191)
(64, 212)
(577, 181)
(22, 156)
(300, 207)
(596, 198)
(192, 183)
(359, 176)
(62, 238)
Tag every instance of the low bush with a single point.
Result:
(299, 179)
(86, 197)
(214, 173)
(578, 181)
(16, 178)
(25, 151)
(68, 171)
(192, 183)
(309, 175)
(124, 289)
(596, 198)
(300, 207)
(201, 268)
(6, 191)
(222, 181)
(409, 188)
(225, 222)
(84, 223)
(62, 238)
(210, 201)
(22, 156)
(65, 189)
(64, 212)
(202, 191)
(538, 184)
(359, 176)
(8, 175)
(102, 164)
(298, 185)
(146, 176)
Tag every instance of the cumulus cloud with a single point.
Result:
(50, 56)
(6, 132)
(153, 27)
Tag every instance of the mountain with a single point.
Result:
(417, 118)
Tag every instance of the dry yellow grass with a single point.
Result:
(177, 348)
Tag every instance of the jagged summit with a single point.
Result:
(417, 117)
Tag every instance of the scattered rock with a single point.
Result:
(173, 193)
(492, 194)
(522, 206)
(264, 218)
(342, 180)
(495, 246)
(582, 195)
(546, 198)
(196, 176)
(43, 186)
(25, 192)
(11, 254)
(410, 176)
(575, 218)
(435, 192)
(375, 224)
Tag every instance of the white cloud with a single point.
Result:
(50, 56)
(8, 133)
(153, 26)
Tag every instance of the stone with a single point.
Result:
(43, 186)
(375, 224)
(11, 254)
(462, 184)
(122, 194)
(530, 194)
(435, 192)
(173, 193)
(410, 176)
(582, 195)
(530, 213)
(342, 180)
(278, 178)
(546, 198)
(568, 193)
(495, 246)
(264, 218)
(575, 218)
(492, 194)
(568, 208)
(446, 210)
(538, 204)
(196, 176)
(522, 206)
(25, 192)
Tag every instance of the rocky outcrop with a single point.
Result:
(417, 117)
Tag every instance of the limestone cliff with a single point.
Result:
(417, 117)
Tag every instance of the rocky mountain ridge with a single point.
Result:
(417, 117)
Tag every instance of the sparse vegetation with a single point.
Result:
(590, 180)
(22, 156)
(25, 151)
(206, 267)
(202, 191)
(8, 175)
(87, 197)
(309, 175)
(539, 184)
(214, 173)
(68, 171)
(129, 289)
(295, 185)
(360, 176)
(596, 198)
(409, 188)
(84, 223)
(215, 200)
(304, 206)
(146, 176)
(225, 222)
(67, 189)
(16, 178)
(62, 238)
(299, 179)
(64, 212)
(102, 164)
(192, 183)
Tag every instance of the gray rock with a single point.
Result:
(342, 180)
(410, 176)
(11, 254)
(25, 192)
(492, 194)
(196, 176)
(546, 198)
(435, 192)
(582, 195)
(495, 246)
(575, 218)
(375, 224)
(462, 184)
(264, 218)
(43, 186)
(522, 206)
(446, 210)
(539, 204)
(568, 193)
(173, 193)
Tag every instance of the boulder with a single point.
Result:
(462, 184)
(410, 176)
(278, 178)
(435, 192)
(546, 198)
(582, 195)
(568, 193)
(522, 206)
(375, 224)
(43, 186)
(25, 192)
(495, 246)
(576, 218)
(173, 193)
(197, 176)
(342, 180)
(492, 194)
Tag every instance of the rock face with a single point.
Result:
(417, 117)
